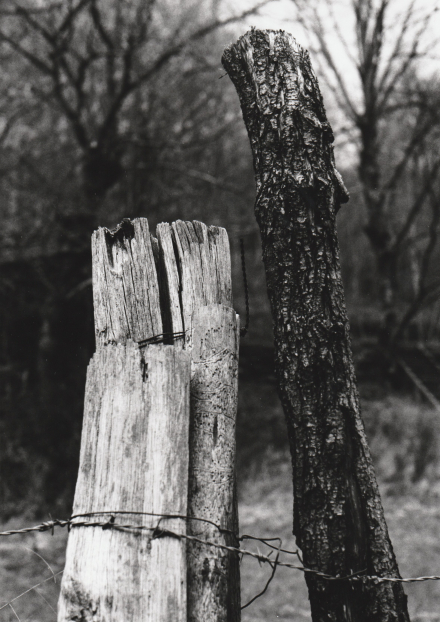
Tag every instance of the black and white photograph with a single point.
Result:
(220, 310)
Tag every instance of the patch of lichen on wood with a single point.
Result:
(338, 516)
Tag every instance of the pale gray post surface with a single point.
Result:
(145, 446)
(134, 458)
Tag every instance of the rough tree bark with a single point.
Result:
(338, 517)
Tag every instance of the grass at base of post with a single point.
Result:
(413, 518)
(265, 505)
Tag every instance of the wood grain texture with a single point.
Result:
(197, 277)
(170, 280)
(197, 268)
(339, 522)
(125, 284)
(144, 287)
(213, 575)
(131, 419)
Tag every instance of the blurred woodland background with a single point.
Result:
(120, 108)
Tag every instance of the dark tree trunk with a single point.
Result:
(338, 517)
(378, 227)
(102, 169)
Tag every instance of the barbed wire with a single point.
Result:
(159, 532)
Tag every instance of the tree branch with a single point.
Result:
(34, 10)
(198, 34)
(319, 32)
(415, 140)
(35, 24)
(337, 29)
(32, 58)
(97, 20)
(9, 125)
(205, 177)
(124, 91)
(424, 291)
(417, 205)
(72, 114)
(128, 86)
(66, 23)
(388, 90)
(398, 44)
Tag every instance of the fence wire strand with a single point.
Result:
(159, 532)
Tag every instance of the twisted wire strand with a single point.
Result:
(158, 532)
(161, 338)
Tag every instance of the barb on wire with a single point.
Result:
(267, 541)
(263, 591)
(161, 532)
(46, 526)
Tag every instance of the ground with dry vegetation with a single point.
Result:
(404, 437)
(413, 519)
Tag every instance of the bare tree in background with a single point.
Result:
(91, 57)
(108, 108)
(394, 120)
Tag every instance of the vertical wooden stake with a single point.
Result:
(203, 279)
(135, 439)
(135, 447)
(338, 518)
(197, 269)
(125, 284)
(213, 580)
(134, 458)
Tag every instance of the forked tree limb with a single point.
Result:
(338, 516)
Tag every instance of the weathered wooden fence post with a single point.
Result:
(134, 450)
(338, 517)
(135, 439)
(137, 454)
(213, 579)
(202, 284)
